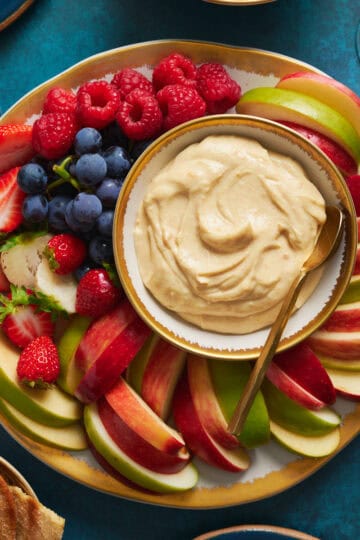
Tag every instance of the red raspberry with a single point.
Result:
(129, 79)
(174, 69)
(53, 134)
(59, 100)
(97, 104)
(217, 88)
(139, 116)
(179, 104)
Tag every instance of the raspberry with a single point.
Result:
(217, 88)
(59, 100)
(129, 79)
(179, 104)
(97, 104)
(174, 69)
(139, 116)
(53, 134)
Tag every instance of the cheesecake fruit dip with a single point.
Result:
(222, 231)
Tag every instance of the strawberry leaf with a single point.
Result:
(20, 239)
(43, 302)
(112, 273)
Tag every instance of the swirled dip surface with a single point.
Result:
(223, 230)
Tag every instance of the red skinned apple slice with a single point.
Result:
(344, 345)
(289, 106)
(139, 417)
(339, 363)
(136, 447)
(345, 318)
(206, 404)
(155, 371)
(299, 374)
(142, 476)
(326, 89)
(198, 439)
(102, 333)
(347, 383)
(356, 270)
(353, 183)
(105, 371)
(334, 151)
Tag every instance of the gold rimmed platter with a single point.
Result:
(273, 469)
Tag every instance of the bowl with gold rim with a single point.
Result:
(211, 226)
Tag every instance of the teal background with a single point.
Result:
(54, 34)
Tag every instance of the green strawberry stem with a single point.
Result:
(64, 175)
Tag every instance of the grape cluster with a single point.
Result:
(79, 193)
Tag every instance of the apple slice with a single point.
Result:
(70, 437)
(352, 293)
(299, 374)
(345, 318)
(346, 383)
(137, 447)
(344, 345)
(229, 379)
(159, 482)
(290, 415)
(339, 363)
(198, 439)
(51, 407)
(136, 414)
(353, 183)
(106, 350)
(326, 89)
(334, 151)
(70, 374)
(289, 106)
(156, 370)
(315, 447)
(356, 270)
(205, 402)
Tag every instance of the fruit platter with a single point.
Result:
(85, 385)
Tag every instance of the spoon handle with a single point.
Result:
(258, 372)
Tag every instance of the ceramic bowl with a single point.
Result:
(336, 272)
(255, 532)
(13, 477)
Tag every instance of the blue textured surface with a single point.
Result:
(54, 34)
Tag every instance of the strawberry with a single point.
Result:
(15, 145)
(96, 294)
(39, 365)
(21, 321)
(65, 253)
(11, 199)
(4, 282)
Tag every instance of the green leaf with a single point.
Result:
(43, 302)
(112, 272)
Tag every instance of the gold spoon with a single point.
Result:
(327, 242)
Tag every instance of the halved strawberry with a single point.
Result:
(4, 282)
(11, 199)
(21, 320)
(15, 145)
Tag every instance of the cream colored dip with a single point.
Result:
(223, 230)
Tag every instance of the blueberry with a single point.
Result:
(32, 178)
(87, 141)
(56, 214)
(112, 135)
(100, 249)
(139, 147)
(104, 223)
(86, 208)
(84, 268)
(35, 208)
(117, 161)
(75, 225)
(108, 191)
(90, 169)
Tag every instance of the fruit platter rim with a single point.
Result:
(273, 531)
(170, 328)
(77, 469)
(240, 3)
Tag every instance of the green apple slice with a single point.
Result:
(338, 363)
(70, 437)
(70, 375)
(290, 415)
(352, 293)
(280, 104)
(51, 407)
(306, 446)
(158, 482)
(136, 368)
(229, 379)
